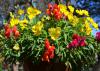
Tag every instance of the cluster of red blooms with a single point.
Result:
(78, 41)
(98, 36)
(9, 31)
(49, 51)
(54, 10)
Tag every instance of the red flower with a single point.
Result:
(58, 15)
(50, 6)
(56, 7)
(51, 55)
(54, 10)
(45, 56)
(47, 43)
(6, 26)
(82, 43)
(98, 37)
(16, 34)
(76, 36)
(14, 29)
(7, 32)
(49, 51)
(77, 41)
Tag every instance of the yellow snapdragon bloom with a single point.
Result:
(82, 12)
(87, 27)
(71, 9)
(95, 25)
(14, 21)
(63, 9)
(23, 23)
(85, 12)
(36, 29)
(20, 11)
(79, 12)
(88, 30)
(70, 17)
(54, 32)
(16, 47)
(75, 20)
(32, 12)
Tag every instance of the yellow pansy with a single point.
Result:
(16, 47)
(71, 9)
(32, 12)
(20, 11)
(14, 21)
(37, 28)
(54, 32)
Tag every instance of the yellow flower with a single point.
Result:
(95, 25)
(11, 15)
(23, 23)
(87, 24)
(16, 47)
(70, 17)
(85, 12)
(20, 11)
(54, 32)
(37, 28)
(75, 20)
(62, 7)
(32, 12)
(14, 21)
(71, 9)
(82, 12)
(88, 30)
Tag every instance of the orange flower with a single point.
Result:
(49, 51)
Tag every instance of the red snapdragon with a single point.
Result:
(97, 37)
(54, 10)
(78, 41)
(9, 31)
(49, 51)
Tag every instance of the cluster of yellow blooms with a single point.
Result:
(74, 20)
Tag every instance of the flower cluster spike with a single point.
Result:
(78, 41)
(49, 51)
(54, 10)
(9, 30)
